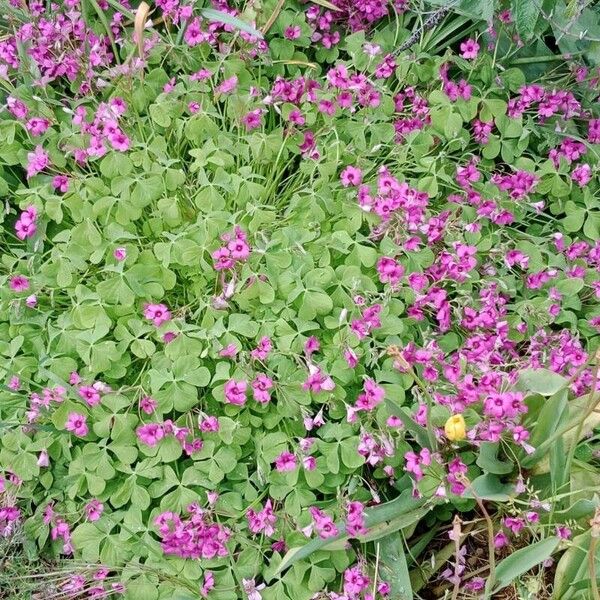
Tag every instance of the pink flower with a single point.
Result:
(469, 49)
(260, 388)
(157, 313)
(350, 358)
(286, 461)
(389, 270)
(318, 381)
(500, 540)
(355, 519)
(235, 392)
(262, 521)
(253, 119)
(309, 463)
(76, 423)
(14, 384)
(209, 424)
(150, 434)
(351, 176)
(120, 254)
(119, 141)
(60, 183)
(94, 510)
(19, 283)
(208, 583)
(43, 460)
(323, 523)
(228, 85)
(582, 174)
(372, 396)
(229, 351)
(148, 405)
(311, 345)
(292, 32)
(31, 301)
(25, 227)
(263, 349)
(89, 394)
(37, 126)
(37, 161)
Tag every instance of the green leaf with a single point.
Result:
(541, 381)
(489, 462)
(489, 487)
(394, 568)
(525, 14)
(547, 422)
(572, 566)
(222, 17)
(523, 560)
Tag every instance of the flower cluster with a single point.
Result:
(196, 536)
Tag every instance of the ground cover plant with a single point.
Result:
(299, 300)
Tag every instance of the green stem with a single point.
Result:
(550, 58)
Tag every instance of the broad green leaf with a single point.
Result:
(523, 560)
(489, 462)
(525, 14)
(489, 487)
(541, 381)
(393, 566)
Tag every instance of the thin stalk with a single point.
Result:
(550, 58)
(456, 535)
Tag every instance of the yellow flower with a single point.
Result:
(455, 428)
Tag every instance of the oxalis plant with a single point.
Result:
(299, 300)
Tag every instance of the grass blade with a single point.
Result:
(222, 17)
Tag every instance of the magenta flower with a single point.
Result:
(148, 405)
(94, 509)
(25, 227)
(208, 583)
(60, 183)
(37, 161)
(157, 313)
(150, 434)
(355, 519)
(119, 141)
(19, 283)
(76, 423)
(469, 49)
(228, 85)
(228, 351)
(37, 126)
(263, 349)
(262, 521)
(235, 392)
(260, 388)
(252, 119)
(323, 523)
(286, 461)
(311, 345)
(292, 32)
(120, 254)
(582, 174)
(89, 394)
(351, 176)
